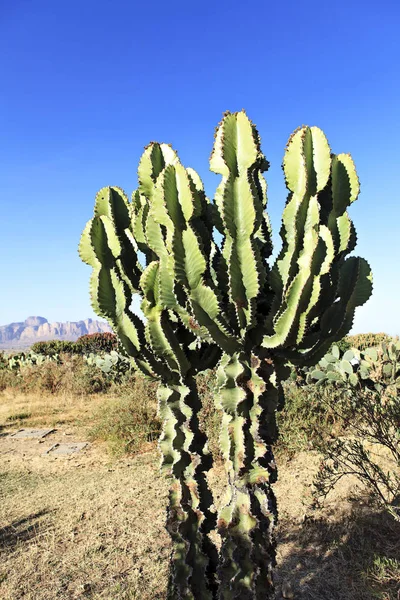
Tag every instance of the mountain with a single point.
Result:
(17, 336)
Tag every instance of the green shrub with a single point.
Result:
(53, 347)
(366, 397)
(8, 379)
(71, 375)
(86, 344)
(116, 367)
(3, 361)
(130, 420)
(306, 417)
(210, 417)
(97, 342)
(362, 341)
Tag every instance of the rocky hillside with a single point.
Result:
(37, 329)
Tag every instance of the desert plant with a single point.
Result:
(129, 421)
(68, 373)
(362, 341)
(30, 359)
(305, 418)
(369, 408)
(208, 303)
(97, 342)
(3, 361)
(115, 366)
(54, 347)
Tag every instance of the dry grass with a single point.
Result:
(92, 526)
(348, 550)
(79, 526)
(84, 531)
(48, 410)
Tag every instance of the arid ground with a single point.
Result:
(91, 525)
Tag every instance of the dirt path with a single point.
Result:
(80, 526)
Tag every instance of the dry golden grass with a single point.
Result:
(78, 526)
(48, 410)
(84, 531)
(92, 526)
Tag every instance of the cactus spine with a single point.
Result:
(207, 304)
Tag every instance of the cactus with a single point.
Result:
(208, 304)
(367, 402)
(30, 359)
(112, 364)
(375, 367)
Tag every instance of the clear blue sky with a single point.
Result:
(86, 84)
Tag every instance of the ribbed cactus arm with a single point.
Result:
(317, 233)
(111, 293)
(337, 232)
(153, 160)
(178, 207)
(354, 288)
(296, 272)
(112, 210)
(343, 190)
(241, 201)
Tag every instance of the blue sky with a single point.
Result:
(85, 85)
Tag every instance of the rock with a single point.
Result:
(287, 591)
(35, 321)
(86, 588)
(38, 329)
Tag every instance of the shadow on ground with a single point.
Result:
(355, 557)
(2, 432)
(21, 530)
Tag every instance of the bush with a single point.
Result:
(8, 378)
(367, 401)
(116, 367)
(306, 417)
(362, 341)
(210, 417)
(97, 342)
(129, 421)
(3, 361)
(91, 343)
(71, 375)
(53, 347)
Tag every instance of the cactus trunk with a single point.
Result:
(189, 520)
(248, 396)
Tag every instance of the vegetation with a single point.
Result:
(97, 342)
(362, 341)
(129, 423)
(207, 304)
(67, 374)
(86, 344)
(92, 526)
(54, 347)
(366, 399)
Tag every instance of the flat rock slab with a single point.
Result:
(66, 449)
(31, 433)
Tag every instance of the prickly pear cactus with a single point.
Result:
(209, 304)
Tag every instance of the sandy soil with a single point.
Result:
(90, 526)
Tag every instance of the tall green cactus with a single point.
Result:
(208, 304)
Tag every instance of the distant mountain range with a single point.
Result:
(18, 336)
